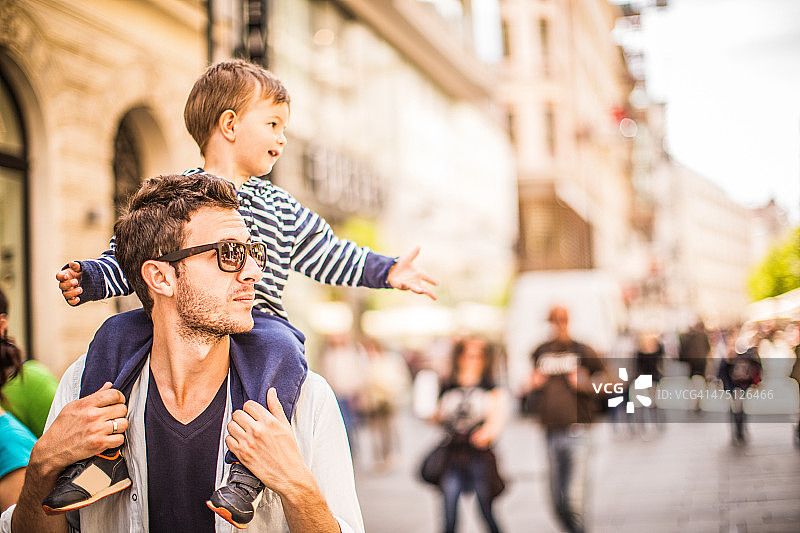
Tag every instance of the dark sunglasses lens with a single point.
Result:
(259, 253)
(231, 256)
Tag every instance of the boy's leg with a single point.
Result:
(116, 354)
(271, 355)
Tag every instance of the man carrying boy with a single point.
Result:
(237, 113)
(181, 399)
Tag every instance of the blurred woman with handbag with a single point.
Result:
(473, 411)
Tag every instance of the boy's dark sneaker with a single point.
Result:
(237, 500)
(87, 481)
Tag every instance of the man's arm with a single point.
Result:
(81, 429)
(263, 440)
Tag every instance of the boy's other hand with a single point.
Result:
(69, 281)
(405, 276)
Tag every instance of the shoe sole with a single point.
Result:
(224, 513)
(113, 489)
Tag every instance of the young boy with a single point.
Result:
(237, 113)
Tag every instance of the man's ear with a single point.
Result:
(227, 124)
(160, 277)
(3, 324)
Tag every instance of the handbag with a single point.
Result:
(433, 465)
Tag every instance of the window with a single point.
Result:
(13, 213)
(506, 39)
(544, 44)
(550, 129)
(127, 177)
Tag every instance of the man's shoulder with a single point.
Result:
(315, 385)
(549, 346)
(572, 346)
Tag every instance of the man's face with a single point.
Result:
(260, 137)
(211, 302)
(559, 322)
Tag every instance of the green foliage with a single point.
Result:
(779, 272)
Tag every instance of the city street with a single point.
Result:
(686, 478)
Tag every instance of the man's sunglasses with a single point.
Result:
(231, 255)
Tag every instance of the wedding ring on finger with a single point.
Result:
(113, 426)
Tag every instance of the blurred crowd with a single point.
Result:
(460, 384)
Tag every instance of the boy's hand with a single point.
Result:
(69, 281)
(405, 276)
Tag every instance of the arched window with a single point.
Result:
(14, 264)
(127, 170)
(127, 177)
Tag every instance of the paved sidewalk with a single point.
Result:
(686, 478)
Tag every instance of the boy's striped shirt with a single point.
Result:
(297, 239)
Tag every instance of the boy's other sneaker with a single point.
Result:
(87, 481)
(237, 500)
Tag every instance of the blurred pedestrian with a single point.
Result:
(473, 410)
(793, 337)
(16, 443)
(693, 349)
(622, 355)
(776, 353)
(16, 440)
(28, 386)
(649, 359)
(739, 371)
(562, 375)
(345, 365)
(388, 385)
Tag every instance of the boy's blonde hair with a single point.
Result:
(230, 84)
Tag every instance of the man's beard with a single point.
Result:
(199, 318)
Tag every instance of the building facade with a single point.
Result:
(566, 85)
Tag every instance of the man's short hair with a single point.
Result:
(154, 222)
(231, 84)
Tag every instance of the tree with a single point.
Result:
(779, 272)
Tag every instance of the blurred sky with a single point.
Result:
(730, 73)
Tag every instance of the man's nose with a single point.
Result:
(251, 273)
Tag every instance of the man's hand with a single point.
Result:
(69, 281)
(82, 429)
(264, 442)
(536, 380)
(406, 277)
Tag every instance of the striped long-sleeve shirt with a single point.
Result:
(296, 238)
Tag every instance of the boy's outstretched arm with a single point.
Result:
(93, 279)
(405, 276)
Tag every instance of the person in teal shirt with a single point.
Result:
(26, 389)
(16, 443)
